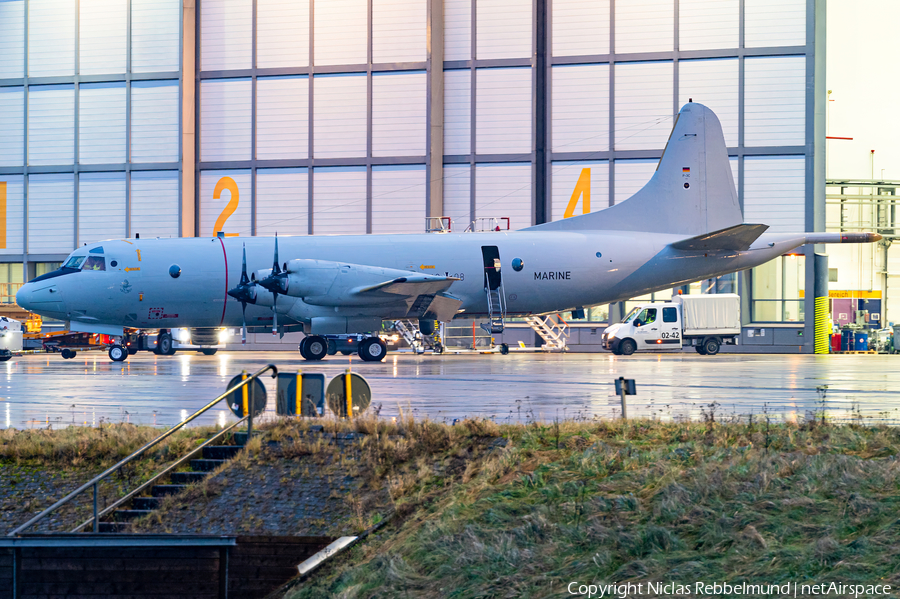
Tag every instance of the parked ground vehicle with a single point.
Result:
(10, 338)
(705, 322)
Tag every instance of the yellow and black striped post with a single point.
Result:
(348, 390)
(298, 395)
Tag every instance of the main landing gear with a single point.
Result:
(316, 347)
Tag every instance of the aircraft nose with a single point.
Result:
(23, 296)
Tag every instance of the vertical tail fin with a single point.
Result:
(692, 191)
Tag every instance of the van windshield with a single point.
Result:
(634, 312)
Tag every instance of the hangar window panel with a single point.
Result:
(12, 42)
(101, 123)
(503, 111)
(282, 117)
(101, 207)
(341, 32)
(339, 200)
(103, 26)
(339, 121)
(774, 23)
(155, 204)
(226, 34)
(211, 207)
(14, 244)
(775, 101)
(398, 30)
(51, 38)
(503, 29)
(580, 27)
(504, 190)
(155, 35)
(713, 83)
(645, 26)
(458, 195)
(12, 126)
(51, 124)
(631, 176)
(643, 105)
(282, 33)
(708, 24)
(398, 199)
(154, 121)
(457, 29)
(282, 201)
(225, 120)
(51, 213)
(566, 177)
(399, 101)
(580, 106)
(775, 192)
(457, 112)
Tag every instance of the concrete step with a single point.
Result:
(221, 452)
(145, 503)
(163, 490)
(205, 465)
(113, 527)
(127, 515)
(186, 478)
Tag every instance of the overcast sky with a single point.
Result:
(863, 72)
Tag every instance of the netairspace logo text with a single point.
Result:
(724, 589)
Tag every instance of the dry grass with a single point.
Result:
(640, 501)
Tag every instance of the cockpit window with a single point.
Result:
(74, 262)
(96, 250)
(94, 263)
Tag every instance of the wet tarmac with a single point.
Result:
(45, 390)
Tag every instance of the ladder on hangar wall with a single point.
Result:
(552, 329)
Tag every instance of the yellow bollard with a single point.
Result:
(299, 394)
(347, 391)
(245, 393)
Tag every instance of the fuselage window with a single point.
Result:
(74, 262)
(95, 263)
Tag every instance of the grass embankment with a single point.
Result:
(635, 501)
(37, 467)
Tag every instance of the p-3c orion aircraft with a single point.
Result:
(684, 225)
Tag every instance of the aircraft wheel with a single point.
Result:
(504, 348)
(372, 349)
(346, 352)
(316, 348)
(332, 347)
(627, 347)
(209, 351)
(117, 353)
(164, 345)
(711, 346)
(302, 347)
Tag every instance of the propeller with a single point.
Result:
(276, 282)
(245, 293)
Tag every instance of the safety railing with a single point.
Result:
(94, 482)
(8, 292)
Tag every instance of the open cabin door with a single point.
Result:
(493, 287)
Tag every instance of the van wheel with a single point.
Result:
(711, 347)
(700, 350)
(627, 347)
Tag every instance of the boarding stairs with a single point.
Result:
(496, 311)
(552, 329)
(409, 330)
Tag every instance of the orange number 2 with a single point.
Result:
(226, 183)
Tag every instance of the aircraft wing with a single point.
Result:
(423, 295)
(737, 238)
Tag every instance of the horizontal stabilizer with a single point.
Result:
(737, 238)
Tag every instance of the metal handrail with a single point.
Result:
(111, 508)
(93, 482)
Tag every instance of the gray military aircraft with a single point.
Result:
(683, 226)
